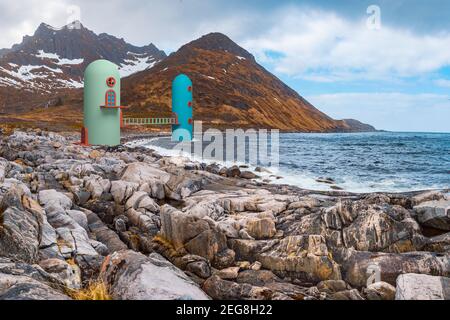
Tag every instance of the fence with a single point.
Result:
(149, 121)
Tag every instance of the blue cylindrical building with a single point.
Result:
(182, 106)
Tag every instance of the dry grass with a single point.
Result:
(71, 262)
(166, 248)
(95, 291)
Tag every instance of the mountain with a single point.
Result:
(41, 80)
(3, 52)
(230, 87)
(55, 58)
(357, 126)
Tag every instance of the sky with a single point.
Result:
(383, 62)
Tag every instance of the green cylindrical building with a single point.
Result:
(102, 104)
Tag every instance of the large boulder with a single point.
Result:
(204, 208)
(110, 165)
(69, 274)
(103, 234)
(331, 287)
(80, 169)
(422, 287)
(4, 165)
(380, 291)
(181, 185)
(358, 266)
(133, 276)
(106, 210)
(75, 242)
(79, 217)
(48, 247)
(220, 289)
(141, 173)
(55, 198)
(427, 196)
(72, 238)
(261, 228)
(178, 227)
(21, 281)
(20, 234)
(234, 172)
(97, 185)
(145, 221)
(435, 214)
(363, 226)
(195, 235)
(439, 243)
(123, 190)
(246, 250)
(140, 201)
(302, 257)
(274, 206)
(25, 289)
(258, 278)
(59, 218)
(383, 229)
(348, 295)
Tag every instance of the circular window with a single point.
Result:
(111, 82)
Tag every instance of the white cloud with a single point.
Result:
(323, 46)
(168, 24)
(20, 18)
(444, 83)
(300, 42)
(311, 44)
(389, 111)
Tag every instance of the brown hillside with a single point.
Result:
(230, 89)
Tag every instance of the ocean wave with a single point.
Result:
(407, 166)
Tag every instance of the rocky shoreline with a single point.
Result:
(143, 226)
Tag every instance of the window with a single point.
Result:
(111, 82)
(110, 98)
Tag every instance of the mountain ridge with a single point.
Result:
(55, 58)
(230, 87)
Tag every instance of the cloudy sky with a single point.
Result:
(385, 62)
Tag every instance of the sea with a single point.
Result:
(354, 162)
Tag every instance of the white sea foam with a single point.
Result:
(305, 179)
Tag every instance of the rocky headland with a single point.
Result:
(130, 224)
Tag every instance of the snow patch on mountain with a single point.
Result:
(60, 61)
(56, 58)
(137, 62)
(71, 83)
(51, 27)
(32, 77)
(6, 82)
(27, 73)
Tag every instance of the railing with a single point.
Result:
(149, 121)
